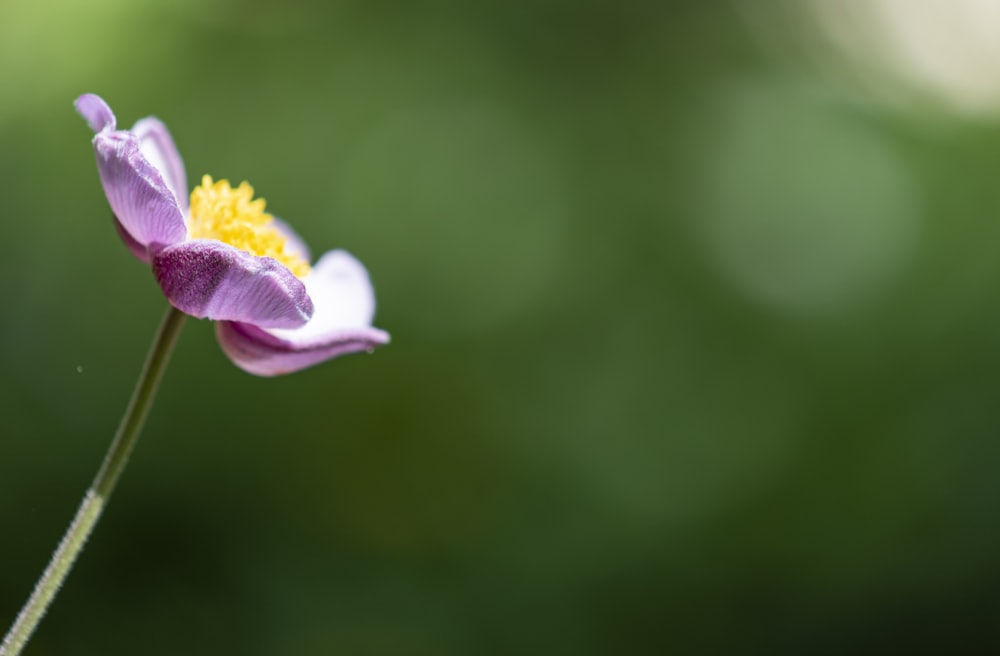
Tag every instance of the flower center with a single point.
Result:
(233, 216)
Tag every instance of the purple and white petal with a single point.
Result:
(142, 202)
(258, 352)
(212, 280)
(342, 295)
(96, 112)
(158, 148)
(344, 306)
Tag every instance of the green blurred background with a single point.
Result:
(696, 335)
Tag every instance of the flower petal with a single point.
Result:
(137, 190)
(97, 113)
(158, 148)
(255, 351)
(344, 302)
(342, 295)
(142, 202)
(137, 249)
(212, 280)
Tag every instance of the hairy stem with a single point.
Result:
(100, 490)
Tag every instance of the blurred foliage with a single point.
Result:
(693, 353)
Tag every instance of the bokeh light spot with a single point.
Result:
(903, 53)
(805, 209)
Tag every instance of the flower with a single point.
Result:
(220, 256)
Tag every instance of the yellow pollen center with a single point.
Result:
(233, 216)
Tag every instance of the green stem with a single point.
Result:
(100, 490)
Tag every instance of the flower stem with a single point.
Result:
(97, 496)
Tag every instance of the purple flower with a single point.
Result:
(220, 256)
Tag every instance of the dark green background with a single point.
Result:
(693, 351)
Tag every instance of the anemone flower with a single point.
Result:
(216, 256)
(220, 256)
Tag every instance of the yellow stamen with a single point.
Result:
(233, 216)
